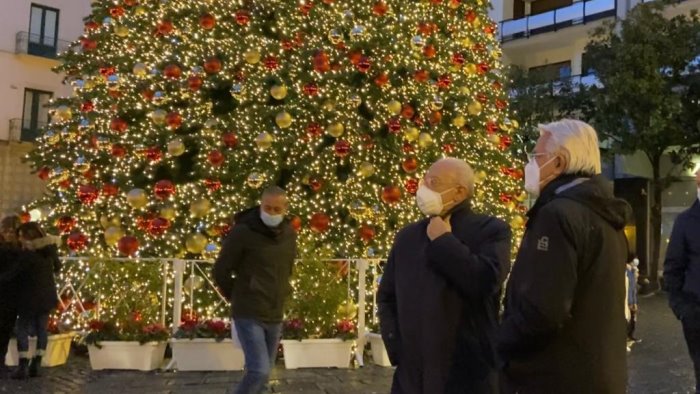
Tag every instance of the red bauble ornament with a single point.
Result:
(230, 140)
(306, 6)
(164, 189)
(489, 29)
(482, 98)
(407, 147)
(505, 142)
(380, 8)
(435, 118)
(321, 62)
(153, 153)
(314, 129)
(287, 45)
(448, 148)
(242, 17)
(364, 64)
(173, 120)
(114, 94)
(366, 233)
(91, 25)
(407, 111)
(207, 21)
(110, 190)
(271, 63)
(457, 59)
(319, 222)
(216, 158)
(147, 94)
(505, 198)
(164, 28)
(381, 79)
(130, 3)
(65, 224)
(116, 12)
(194, 83)
(496, 85)
(295, 222)
(355, 57)
(491, 127)
(106, 71)
(118, 151)
(87, 106)
(128, 245)
(367, 141)
(25, 217)
(212, 65)
(411, 186)
(315, 184)
(342, 148)
(444, 81)
(88, 44)
(394, 125)
(391, 194)
(87, 194)
(172, 71)
(212, 184)
(500, 104)
(43, 173)
(410, 165)
(482, 68)
(76, 241)
(470, 16)
(421, 75)
(158, 226)
(310, 89)
(64, 184)
(429, 51)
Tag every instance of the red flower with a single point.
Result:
(96, 325)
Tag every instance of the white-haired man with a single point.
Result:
(564, 329)
(439, 295)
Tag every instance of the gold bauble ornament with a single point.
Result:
(112, 235)
(139, 10)
(506, 125)
(140, 69)
(211, 124)
(200, 208)
(459, 121)
(264, 141)
(480, 176)
(417, 42)
(52, 138)
(467, 42)
(168, 213)
(137, 198)
(436, 104)
(355, 100)
(195, 243)
(237, 91)
(358, 209)
(366, 169)
(521, 197)
(121, 31)
(64, 113)
(464, 90)
(107, 222)
(394, 106)
(335, 36)
(474, 108)
(81, 165)
(283, 120)
(347, 310)
(255, 180)
(252, 56)
(335, 129)
(158, 116)
(470, 69)
(279, 92)
(329, 105)
(411, 134)
(176, 147)
(494, 138)
(515, 124)
(425, 140)
(517, 222)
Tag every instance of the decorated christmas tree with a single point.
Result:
(185, 109)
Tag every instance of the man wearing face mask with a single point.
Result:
(439, 294)
(564, 328)
(682, 277)
(253, 269)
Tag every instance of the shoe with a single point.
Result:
(34, 367)
(21, 373)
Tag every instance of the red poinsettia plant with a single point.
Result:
(345, 329)
(213, 329)
(130, 331)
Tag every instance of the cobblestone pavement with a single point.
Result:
(659, 364)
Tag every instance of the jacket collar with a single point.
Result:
(695, 209)
(43, 242)
(550, 191)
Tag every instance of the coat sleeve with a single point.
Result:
(475, 275)
(541, 286)
(675, 265)
(229, 260)
(388, 311)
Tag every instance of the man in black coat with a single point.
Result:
(682, 277)
(564, 328)
(439, 294)
(253, 269)
(9, 289)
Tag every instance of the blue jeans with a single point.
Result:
(32, 325)
(259, 342)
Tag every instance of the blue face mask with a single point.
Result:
(271, 220)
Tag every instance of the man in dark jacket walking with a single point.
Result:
(564, 327)
(439, 294)
(682, 277)
(259, 252)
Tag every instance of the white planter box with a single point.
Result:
(379, 355)
(127, 355)
(57, 350)
(317, 353)
(207, 355)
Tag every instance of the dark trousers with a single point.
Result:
(8, 317)
(691, 329)
(259, 342)
(29, 325)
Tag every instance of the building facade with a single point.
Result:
(32, 34)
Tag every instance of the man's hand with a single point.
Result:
(438, 226)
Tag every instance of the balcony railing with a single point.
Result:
(35, 44)
(566, 85)
(575, 14)
(25, 130)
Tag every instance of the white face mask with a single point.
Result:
(532, 176)
(271, 220)
(429, 201)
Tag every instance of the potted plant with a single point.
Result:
(206, 346)
(57, 349)
(376, 343)
(326, 351)
(130, 345)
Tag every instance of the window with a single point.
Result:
(586, 64)
(554, 71)
(36, 113)
(43, 31)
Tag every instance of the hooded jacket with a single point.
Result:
(682, 265)
(564, 328)
(254, 267)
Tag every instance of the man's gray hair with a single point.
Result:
(577, 141)
(463, 172)
(274, 191)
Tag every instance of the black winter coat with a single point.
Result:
(9, 288)
(564, 328)
(438, 304)
(682, 265)
(261, 259)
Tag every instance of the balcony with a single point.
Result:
(25, 130)
(34, 44)
(578, 13)
(565, 85)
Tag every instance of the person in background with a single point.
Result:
(37, 296)
(440, 291)
(682, 277)
(632, 304)
(259, 251)
(9, 250)
(563, 328)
